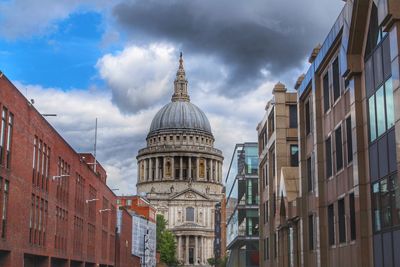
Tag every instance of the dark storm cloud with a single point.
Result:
(247, 36)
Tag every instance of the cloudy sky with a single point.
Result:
(116, 60)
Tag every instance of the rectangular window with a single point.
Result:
(2, 133)
(342, 221)
(266, 215)
(266, 174)
(311, 232)
(266, 248)
(389, 103)
(336, 79)
(326, 92)
(294, 155)
(309, 175)
(376, 207)
(372, 118)
(4, 209)
(349, 140)
(293, 116)
(380, 111)
(9, 139)
(331, 225)
(308, 117)
(352, 217)
(328, 157)
(339, 148)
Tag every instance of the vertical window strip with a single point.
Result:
(2, 134)
(9, 138)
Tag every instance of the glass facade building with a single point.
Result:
(242, 206)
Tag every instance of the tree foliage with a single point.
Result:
(166, 243)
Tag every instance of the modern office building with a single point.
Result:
(349, 125)
(279, 178)
(242, 196)
(180, 172)
(55, 206)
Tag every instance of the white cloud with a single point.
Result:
(119, 135)
(138, 76)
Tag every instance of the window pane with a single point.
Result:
(378, 67)
(372, 119)
(326, 92)
(190, 214)
(380, 111)
(342, 221)
(369, 77)
(331, 225)
(336, 79)
(389, 103)
(308, 120)
(294, 155)
(328, 155)
(395, 201)
(386, 205)
(293, 116)
(349, 140)
(339, 149)
(311, 232)
(309, 175)
(376, 207)
(352, 217)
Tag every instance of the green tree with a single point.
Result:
(160, 227)
(168, 248)
(166, 244)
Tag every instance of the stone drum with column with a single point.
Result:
(181, 173)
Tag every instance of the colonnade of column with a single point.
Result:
(194, 244)
(180, 168)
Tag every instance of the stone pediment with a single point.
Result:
(189, 194)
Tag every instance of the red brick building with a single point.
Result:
(139, 205)
(55, 210)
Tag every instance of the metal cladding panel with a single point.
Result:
(180, 115)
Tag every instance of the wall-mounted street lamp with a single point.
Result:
(91, 200)
(103, 210)
(60, 176)
(114, 189)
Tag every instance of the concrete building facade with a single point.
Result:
(180, 172)
(278, 172)
(56, 209)
(347, 209)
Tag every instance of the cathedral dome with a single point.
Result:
(180, 115)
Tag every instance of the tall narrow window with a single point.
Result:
(331, 225)
(389, 103)
(9, 138)
(311, 232)
(4, 211)
(372, 118)
(380, 111)
(326, 92)
(266, 174)
(2, 133)
(266, 248)
(308, 117)
(293, 116)
(190, 214)
(349, 140)
(328, 157)
(342, 221)
(294, 155)
(309, 175)
(352, 217)
(339, 149)
(336, 79)
(266, 211)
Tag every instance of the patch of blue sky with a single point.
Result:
(64, 58)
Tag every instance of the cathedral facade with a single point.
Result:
(181, 173)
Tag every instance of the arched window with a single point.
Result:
(190, 214)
